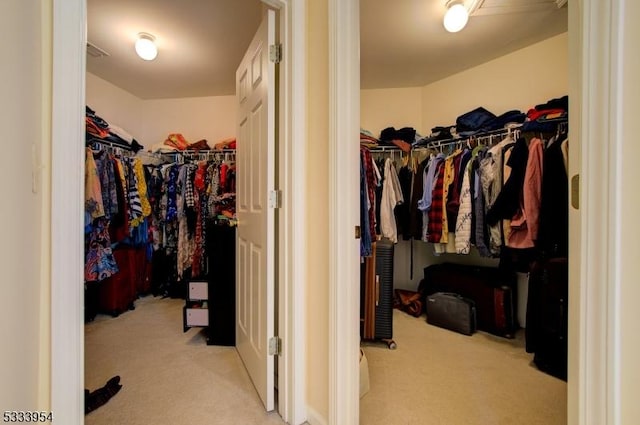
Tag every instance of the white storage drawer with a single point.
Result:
(198, 290)
(197, 317)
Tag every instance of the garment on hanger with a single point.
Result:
(526, 220)
(391, 197)
(553, 236)
(491, 168)
(465, 213)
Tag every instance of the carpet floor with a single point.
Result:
(434, 377)
(168, 377)
(439, 377)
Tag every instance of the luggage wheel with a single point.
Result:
(391, 344)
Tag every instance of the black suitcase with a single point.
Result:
(492, 290)
(452, 311)
(384, 289)
(376, 294)
(547, 319)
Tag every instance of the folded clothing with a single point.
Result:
(199, 145)
(402, 138)
(557, 103)
(501, 121)
(177, 141)
(228, 143)
(473, 120)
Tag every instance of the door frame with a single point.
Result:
(593, 384)
(344, 195)
(291, 217)
(67, 190)
(593, 390)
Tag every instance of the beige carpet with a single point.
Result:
(438, 377)
(434, 377)
(168, 377)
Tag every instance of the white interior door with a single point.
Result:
(255, 157)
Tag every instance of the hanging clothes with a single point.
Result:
(434, 215)
(99, 261)
(491, 169)
(402, 214)
(391, 197)
(367, 228)
(465, 214)
(417, 189)
(92, 189)
(429, 182)
(508, 200)
(553, 236)
(526, 220)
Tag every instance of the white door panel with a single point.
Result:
(255, 156)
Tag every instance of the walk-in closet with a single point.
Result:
(161, 178)
(464, 187)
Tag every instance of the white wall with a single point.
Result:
(151, 121)
(20, 286)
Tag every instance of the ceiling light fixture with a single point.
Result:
(146, 46)
(456, 16)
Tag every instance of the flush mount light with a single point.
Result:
(456, 16)
(146, 46)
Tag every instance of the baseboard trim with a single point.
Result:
(314, 418)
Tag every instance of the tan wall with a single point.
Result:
(115, 105)
(318, 215)
(382, 108)
(21, 79)
(575, 224)
(497, 85)
(518, 80)
(151, 121)
(629, 210)
(212, 118)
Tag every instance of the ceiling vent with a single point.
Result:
(95, 51)
(503, 7)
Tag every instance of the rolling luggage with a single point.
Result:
(384, 289)
(491, 289)
(547, 320)
(377, 293)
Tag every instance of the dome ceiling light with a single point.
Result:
(146, 46)
(456, 16)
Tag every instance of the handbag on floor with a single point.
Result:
(452, 311)
(408, 301)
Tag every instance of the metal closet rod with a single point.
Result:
(110, 147)
(514, 130)
(228, 154)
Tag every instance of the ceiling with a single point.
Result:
(403, 42)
